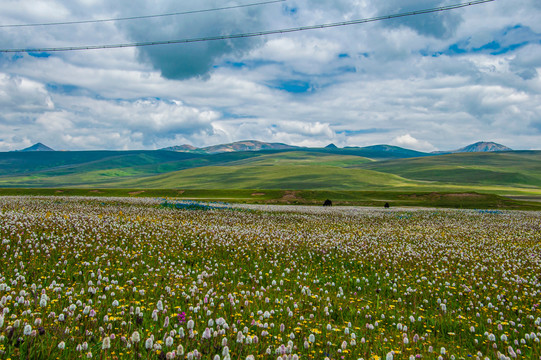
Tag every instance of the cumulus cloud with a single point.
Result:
(428, 82)
(410, 142)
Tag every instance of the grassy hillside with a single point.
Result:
(517, 173)
(56, 163)
(517, 168)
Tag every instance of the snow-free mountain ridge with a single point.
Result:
(483, 146)
(37, 147)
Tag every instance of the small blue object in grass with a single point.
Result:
(490, 212)
(194, 205)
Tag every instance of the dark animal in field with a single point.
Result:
(327, 203)
(386, 206)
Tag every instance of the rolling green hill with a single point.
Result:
(516, 168)
(516, 172)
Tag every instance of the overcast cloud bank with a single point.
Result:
(429, 82)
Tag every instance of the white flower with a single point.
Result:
(27, 330)
(190, 324)
(135, 337)
(148, 343)
(106, 343)
(207, 334)
(180, 350)
(62, 345)
(159, 305)
(169, 341)
(312, 338)
(389, 356)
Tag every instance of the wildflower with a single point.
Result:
(148, 343)
(62, 345)
(181, 317)
(190, 324)
(27, 330)
(106, 343)
(135, 337)
(389, 356)
(312, 338)
(180, 350)
(169, 341)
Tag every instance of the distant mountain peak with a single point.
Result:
(245, 145)
(184, 147)
(331, 146)
(38, 147)
(483, 146)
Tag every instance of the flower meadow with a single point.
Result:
(130, 279)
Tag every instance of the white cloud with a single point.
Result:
(365, 84)
(410, 142)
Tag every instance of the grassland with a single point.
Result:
(125, 278)
(462, 200)
(515, 173)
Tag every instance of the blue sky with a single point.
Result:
(430, 82)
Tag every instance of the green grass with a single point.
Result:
(517, 168)
(305, 197)
(507, 173)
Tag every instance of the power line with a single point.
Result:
(144, 16)
(249, 35)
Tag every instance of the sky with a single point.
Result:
(427, 82)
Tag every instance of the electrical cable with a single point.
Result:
(143, 16)
(248, 35)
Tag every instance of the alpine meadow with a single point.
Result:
(270, 180)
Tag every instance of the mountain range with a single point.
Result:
(258, 165)
(255, 145)
(246, 145)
